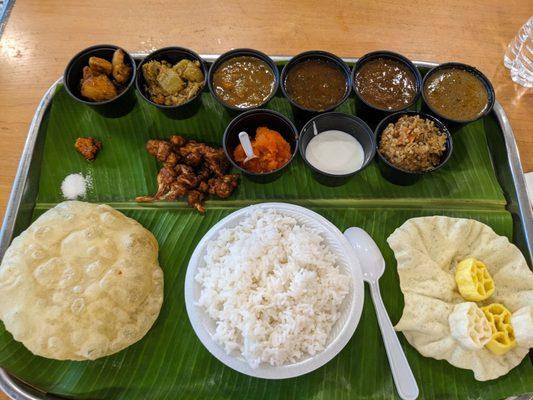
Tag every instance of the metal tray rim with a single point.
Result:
(18, 390)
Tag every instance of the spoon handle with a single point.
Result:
(246, 144)
(401, 371)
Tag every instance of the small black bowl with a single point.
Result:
(172, 55)
(343, 122)
(372, 113)
(300, 112)
(116, 107)
(240, 53)
(249, 121)
(455, 125)
(401, 176)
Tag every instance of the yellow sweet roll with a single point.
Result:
(473, 280)
(522, 323)
(469, 326)
(503, 338)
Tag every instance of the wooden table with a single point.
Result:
(41, 37)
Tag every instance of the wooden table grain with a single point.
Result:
(41, 36)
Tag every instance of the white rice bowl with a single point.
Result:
(274, 291)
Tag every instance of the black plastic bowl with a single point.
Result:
(249, 121)
(401, 176)
(240, 53)
(300, 111)
(116, 107)
(371, 112)
(456, 124)
(172, 55)
(343, 122)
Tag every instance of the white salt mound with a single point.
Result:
(273, 287)
(75, 186)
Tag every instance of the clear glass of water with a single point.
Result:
(522, 69)
(514, 46)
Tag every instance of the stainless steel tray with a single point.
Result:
(23, 195)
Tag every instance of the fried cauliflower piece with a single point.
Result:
(190, 169)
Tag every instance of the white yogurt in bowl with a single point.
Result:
(336, 147)
(335, 152)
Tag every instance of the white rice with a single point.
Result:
(273, 287)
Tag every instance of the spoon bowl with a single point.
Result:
(371, 259)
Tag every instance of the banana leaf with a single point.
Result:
(170, 362)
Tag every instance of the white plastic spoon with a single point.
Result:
(247, 146)
(373, 266)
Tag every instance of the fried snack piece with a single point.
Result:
(88, 147)
(216, 161)
(522, 322)
(192, 153)
(473, 280)
(97, 87)
(190, 169)
(196, 199)
(100, 66)
(223, 186)
(121, 71)
(502, 339)
(469, 326)
(160, 149)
